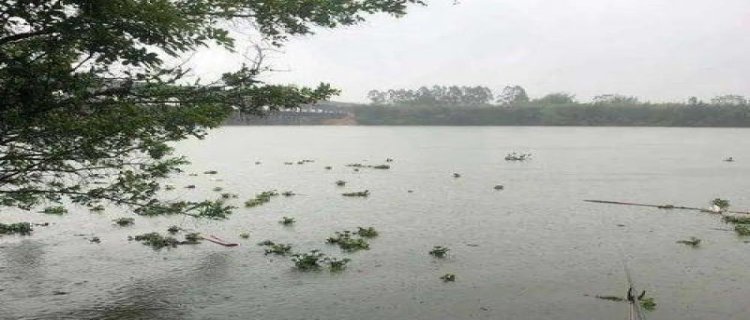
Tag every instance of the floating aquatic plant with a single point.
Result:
(693, 242)
(261, 198)
(257, 163)
(388, 160)
(97, 208)
(58, 210)
(499, 187)
(346, 242)
(448, 277)
(722, 204)
(124, 222)
(308, 261)
(666, 207)
(287, 221)
(169, 187)
(22, 228)
(518, 156)
(359, 165)
(381, 167)
(456, 175)
(173, 229)
(288, 193)
(335, 264)
(229, 196)
(611, 298)
(157, 241)
(365, 193)
(265, 243)
(329, 167)
(218, 189)
(742, 229)
(288, 163)
(648, 303)
(745, 219)
(192, 238)
(244, 235)
(211, 172)
(369, 232)
(439, 251)
(95, 240)
(341, 183)
(190, 186)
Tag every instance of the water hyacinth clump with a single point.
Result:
(192, 238)
(218, 189)
(276, 248)
(439, 251)
(173, 229)
(347, 242)
(261, 198)
(227, 196)
(287, 221)
(124, 222)
(499, 187)
(288, 194)
(720, 203)
(58, 210)
(369, 232)
(693, 242)
(22, 228)
(244, 235)
(329, 167)
(448, 277)
(211, 172)
(363, 194)
(157, 241)
(335, 264)
(518, 156)
(341, 183)
(308, 261)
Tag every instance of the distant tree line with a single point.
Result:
(455, 105)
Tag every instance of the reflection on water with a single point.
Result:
(531, 251)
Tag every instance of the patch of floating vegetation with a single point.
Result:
(448, 277)
(744, 219)
(499, 187)
(193, 174)
(211, 172)
(261, 198)
(611, 298)
(97, 208)
(439, 252)
(244, 235)
(288, 163)
(360, 166)
(190, 186)
(314, 260)
(173, 229)
(742, 229)
(341, 183)
(288, 193)
(647, 303)
(456, 175)
(22, 228)
(257, 163)
(218, 189)
(124, 222)
(229, 196)
(722, 204)
(157, 241)
(287, 221)
(328, 168)
(279, 249)
(368, 232)
(666, 207)
(169, 187)
(388, 160)
(95, 240)
(693, 242)
(518, 156)
(348, 242)
(365, 193)
(57, 210)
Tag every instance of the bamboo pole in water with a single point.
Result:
(666, 207)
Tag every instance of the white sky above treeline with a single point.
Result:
(657, 50)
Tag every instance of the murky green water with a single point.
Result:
(532, 251)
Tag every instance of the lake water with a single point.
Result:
(532, 251)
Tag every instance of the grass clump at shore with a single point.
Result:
(22, 228)
(362, 194)
(261, 198)
(439, 252)
(124, 222)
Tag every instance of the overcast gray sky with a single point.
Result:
(658, 50)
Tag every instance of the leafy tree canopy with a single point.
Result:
(90, 102)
